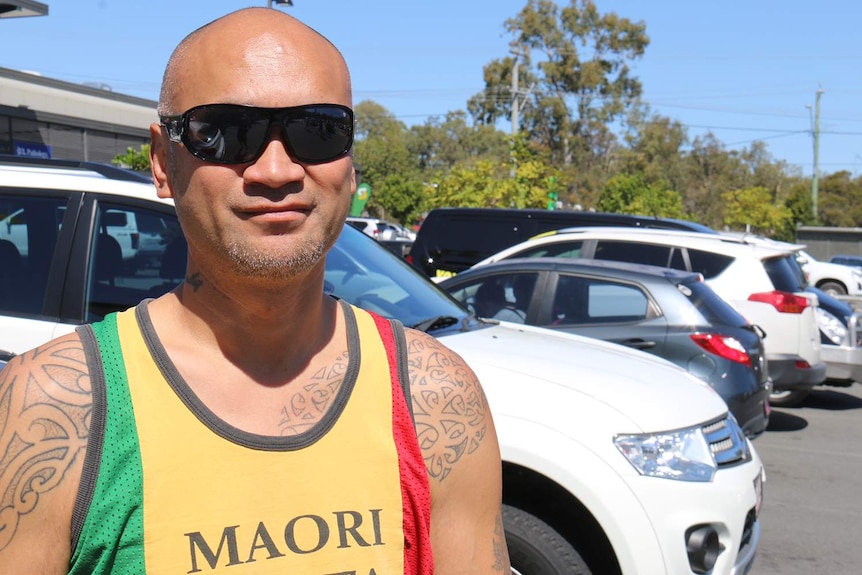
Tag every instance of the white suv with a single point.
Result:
(614, 461)
(834, 279)
(749, 277)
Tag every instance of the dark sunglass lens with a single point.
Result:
(226, 134)
(320, 134)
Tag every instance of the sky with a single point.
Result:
(743, 70)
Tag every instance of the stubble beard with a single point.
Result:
(265, 265)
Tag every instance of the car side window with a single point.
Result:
(708, 264)
(634, 252)
(554, 250)
(586, 300)
(505, 296)
(136, 254)
(29, 227)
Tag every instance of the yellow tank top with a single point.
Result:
(216, 499)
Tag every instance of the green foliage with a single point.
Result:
(631, 194)
(579, 83)
(138, 160)
(839, 200)
(755, 209)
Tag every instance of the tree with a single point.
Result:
(755, 210)
(580, 84)
(521, 180)
(654, 147)
(631, 194)
(385, 163)
(137, 160)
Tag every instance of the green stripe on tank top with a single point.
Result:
(111, 540)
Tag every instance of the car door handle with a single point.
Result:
(638, 343)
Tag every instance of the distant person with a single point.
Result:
(490, 302)
(246, 422)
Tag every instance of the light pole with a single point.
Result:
(271, 2)
(815, 176)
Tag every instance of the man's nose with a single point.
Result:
(275, 166)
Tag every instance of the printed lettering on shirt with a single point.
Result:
(301, 535)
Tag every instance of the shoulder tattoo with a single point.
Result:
(312, 400)
(449, 405)
(45, 411)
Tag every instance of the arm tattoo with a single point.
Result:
(501, 551)
(450, 408)
(311, 401)
(45, 411)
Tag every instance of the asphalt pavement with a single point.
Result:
(812, 510)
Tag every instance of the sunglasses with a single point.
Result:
(234, 134)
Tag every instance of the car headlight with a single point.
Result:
(683, 454)
(832, 327)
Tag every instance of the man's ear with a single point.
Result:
(159, 160)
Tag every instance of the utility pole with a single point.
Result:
(814, 178)
(515, 110)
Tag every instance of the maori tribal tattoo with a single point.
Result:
(450, 408)
(45, 411)
(310, 402)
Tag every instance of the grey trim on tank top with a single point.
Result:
(234, 434)
(96, 434)
(403, 367)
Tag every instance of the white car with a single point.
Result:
(614, 461)
(757, 280)
(834, 279)
(840, 326)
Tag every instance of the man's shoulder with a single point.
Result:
(57, 364)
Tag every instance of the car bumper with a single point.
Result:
(786, 373)
(731, 509)
(842, 362)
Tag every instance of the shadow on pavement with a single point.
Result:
(783, 421)
(832, 400)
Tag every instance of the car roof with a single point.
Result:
(83, 178)
(604, 267)
(715, 242)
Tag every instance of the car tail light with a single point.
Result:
(136, 238)
(783, 301)
(723, 346)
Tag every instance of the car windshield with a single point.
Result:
(363, 273)
(714, 309)
(785, 273)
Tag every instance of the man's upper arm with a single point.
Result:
(45, 411)
(459, 443)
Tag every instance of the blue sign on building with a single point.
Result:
(31, 149)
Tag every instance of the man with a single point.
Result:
(246, 422)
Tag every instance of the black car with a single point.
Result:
(669, 313)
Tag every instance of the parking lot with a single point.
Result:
(812, 509)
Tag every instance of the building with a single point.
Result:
(45, 117)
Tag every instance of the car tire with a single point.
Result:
(833, 288)
(788, 397)
(536, 549)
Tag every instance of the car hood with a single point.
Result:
(645, 392)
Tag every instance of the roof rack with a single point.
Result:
(107, 170)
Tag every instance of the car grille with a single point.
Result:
(726, 442)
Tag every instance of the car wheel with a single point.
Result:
(833, 288)
(536, 549)
(788, 397)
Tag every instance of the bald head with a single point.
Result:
(254, 56)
